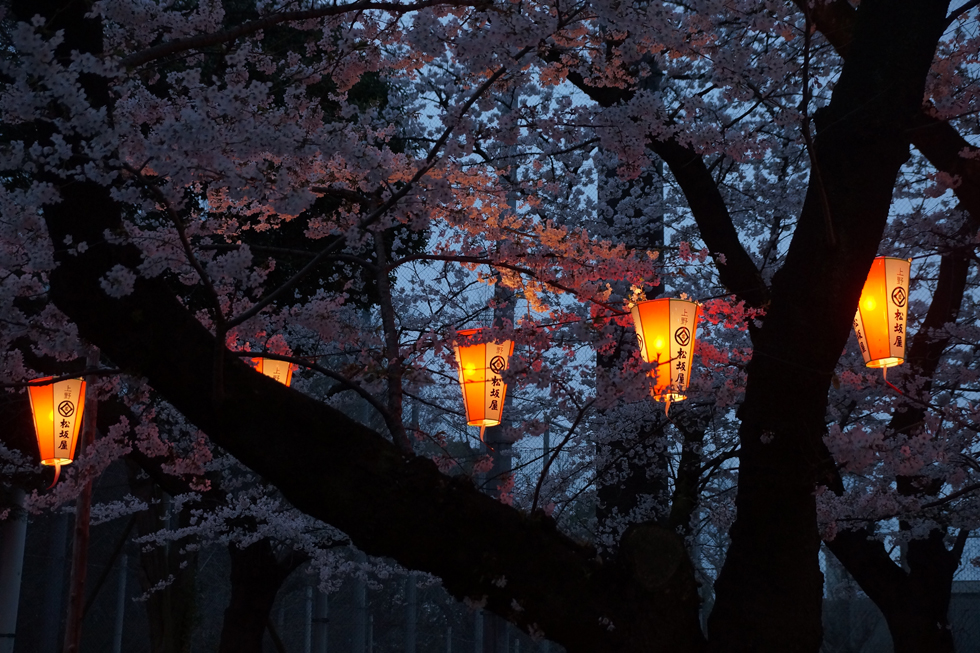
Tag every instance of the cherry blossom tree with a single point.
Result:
(189, 185)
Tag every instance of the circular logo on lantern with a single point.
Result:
(899, 297)
(497, 363)
(66, 409)
(682, 336)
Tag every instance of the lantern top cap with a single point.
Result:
(660, 299)
(894, 258)
(468, 332)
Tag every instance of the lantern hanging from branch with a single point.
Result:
(880, 319)
(666, 331)
(484, 390)
(279, 370)
(57, 409)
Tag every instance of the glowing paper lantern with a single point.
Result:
(484, 390)
(279, 370)
(880, 319)
(57, 409)
(666, 331)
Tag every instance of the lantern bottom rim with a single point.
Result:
(51, 462)
(484, 422)
(669, 396)
(885, 362)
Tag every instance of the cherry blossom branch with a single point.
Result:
(952, 496)
(936, 139)
(220, 325)
(103, 371)
(431, 160)
(286, 251)
(499, 264)
(185, 245)
(557, 450)
(205, 40)
(807, 137)
(340, 378)
(430, 404)
(959, 11)
(396, 366)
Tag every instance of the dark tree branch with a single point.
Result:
(431, 160)
(739, 273)
(207, 40)
(936, 139)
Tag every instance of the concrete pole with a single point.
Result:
(370, 634)
(503, 635)
(13, 534)
(54, 585)
(411, 612)
(449, 639)
(308, 621)
(478, 631)
(359, 640)
(117, 635)
(321, 623)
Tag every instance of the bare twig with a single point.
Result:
(557, 450)
(396, 364)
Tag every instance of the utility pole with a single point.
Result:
(411, 610)
(321, 622)
(359, 643)
(54, 585)
(83, 508)
(495, 629)
(13, 533)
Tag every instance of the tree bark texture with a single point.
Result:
(915, 602)
(256, 577)
(363, 485)
(770, 587)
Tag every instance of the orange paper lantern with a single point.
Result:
(57, 410)
(279, 370)
(480, 366)
(666, 331)
(880, 319)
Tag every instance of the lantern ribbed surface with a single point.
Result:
(480, 365)
(57, 410)
(879, 322)
(666, 332)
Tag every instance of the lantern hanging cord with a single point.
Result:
(57, 473)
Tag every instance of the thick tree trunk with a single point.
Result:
(915, 603)
(256, 577)
(171, 609)
(919, 623)
(364, 485)
(770, 590)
